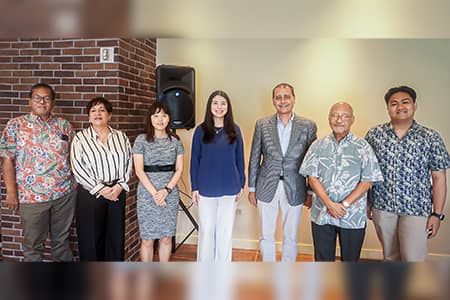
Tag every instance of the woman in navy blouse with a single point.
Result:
(217, 177)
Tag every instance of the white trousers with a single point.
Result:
(216, 220)
(290, 218)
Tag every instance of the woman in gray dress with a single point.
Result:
(158, 161)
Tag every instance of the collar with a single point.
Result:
(37, 119)
(277, 118)
(414, 127)
(93, 134)
(346, 138)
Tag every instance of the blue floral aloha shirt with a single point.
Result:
(406, 165)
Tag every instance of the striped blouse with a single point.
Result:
(95, 165)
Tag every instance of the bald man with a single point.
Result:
(340, 168)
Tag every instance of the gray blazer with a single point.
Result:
(264, 174)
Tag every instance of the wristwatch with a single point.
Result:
(346, 204)
(168, 189)
(439, 216)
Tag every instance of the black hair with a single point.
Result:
(155, 108)
(405, 89)
(97, 101)
(43, 85)
(228, 122)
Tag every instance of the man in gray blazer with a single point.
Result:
(279, 145)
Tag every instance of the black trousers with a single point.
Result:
(100, 227)
(324, 238)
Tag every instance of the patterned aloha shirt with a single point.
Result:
(40, 150)
(406, 165)
(340, 167)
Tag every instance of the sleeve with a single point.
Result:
(439, 158)
(68, 130)
(313, 134)
(310, 164)
(195, 158)
(180, 148)
(369, 136)
(255, 157)
(81, 167)
(240, 156)
(139, 147)
(8, 140)
(371, 171)
(127, 164)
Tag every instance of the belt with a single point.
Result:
(156, 168)
(110, 184)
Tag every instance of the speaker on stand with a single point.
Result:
(175, 87)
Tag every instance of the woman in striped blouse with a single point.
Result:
(101, 162)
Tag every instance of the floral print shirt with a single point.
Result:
(40, 150)
(406, 165)
(340, 167)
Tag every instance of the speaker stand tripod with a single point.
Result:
(194, 223)
(190, 217)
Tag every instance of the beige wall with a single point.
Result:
(322, 71)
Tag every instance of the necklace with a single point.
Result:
(218, 129)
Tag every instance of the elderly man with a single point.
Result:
(408, 207)
(279, 144)
(341, 168)
(34, 151)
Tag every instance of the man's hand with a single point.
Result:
(369, 212)
(12, 201)
(9, 177)
(433, 224)
(308, 201)
(252, 199)
(336, 210)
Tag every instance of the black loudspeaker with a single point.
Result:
(175, 87)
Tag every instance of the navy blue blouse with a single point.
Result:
(217, 168)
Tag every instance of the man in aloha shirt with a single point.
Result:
(408, 206)
(340, 168)
(34, 151)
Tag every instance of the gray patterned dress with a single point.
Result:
(157, 221)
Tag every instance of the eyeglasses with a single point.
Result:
(37, 98)
(343, 117)
(285, 97)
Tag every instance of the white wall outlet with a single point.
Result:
(107, 54)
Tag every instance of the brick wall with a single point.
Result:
(73, 68)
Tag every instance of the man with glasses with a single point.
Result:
(341, 168)
(279, 143)
(34, 151)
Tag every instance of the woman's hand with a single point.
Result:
(106, 193)
(116, 190)
(160, 197)
(239, 195)
(195, 197)
(111, 193)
